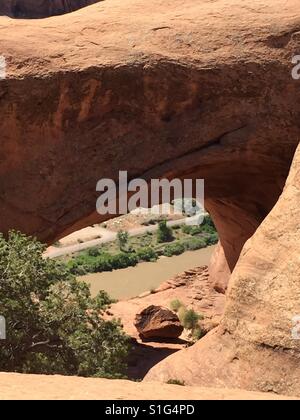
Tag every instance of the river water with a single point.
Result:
(132, 281)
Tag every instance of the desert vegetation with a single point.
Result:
(53, 324)
(128, 251)
(189, 319)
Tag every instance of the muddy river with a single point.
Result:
(132, 281)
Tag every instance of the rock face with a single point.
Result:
(158, 322)
(189, 89)
(255, 348)
(41, 8)
(219, 272)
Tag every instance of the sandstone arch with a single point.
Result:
(203, 90)
(218, 113)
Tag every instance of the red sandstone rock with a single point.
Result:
(219, 272)
(158, 322)
(254, 347)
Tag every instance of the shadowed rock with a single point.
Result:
(41, 8)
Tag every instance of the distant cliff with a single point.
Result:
(41, 8)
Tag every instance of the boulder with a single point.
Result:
(158, 322)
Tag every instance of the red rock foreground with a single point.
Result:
(15, 386)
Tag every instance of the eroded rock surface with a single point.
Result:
(254, 347)
(41, 8)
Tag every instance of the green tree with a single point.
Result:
(53, 324)
(122, 238)
(164, 233)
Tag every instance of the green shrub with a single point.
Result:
(175, 382)
(164, 233)
(123, 260)
(191, 229)
(147, 254)
(174, 249)
(186, 229)
(54, 325)
(195, 230)
(197, 333)
(175, 305)
(77, 269)
(103, 263)
(208, 225)
(181, 314)
(122, 239)
(212, 239)
(193, 244)
(94, 252)
(190, 319)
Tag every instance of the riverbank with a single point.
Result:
(133, 281)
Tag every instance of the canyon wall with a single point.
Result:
(257, 345)
(40, 8)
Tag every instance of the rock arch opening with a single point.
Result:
(37, 9)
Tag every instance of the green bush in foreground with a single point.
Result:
(53, 325)
(190, 319)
